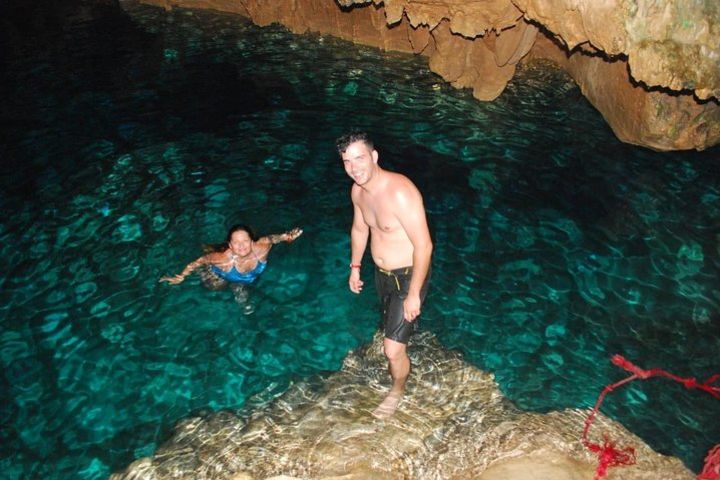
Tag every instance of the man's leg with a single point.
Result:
(399, 366)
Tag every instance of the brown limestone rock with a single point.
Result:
(671, 50)
(419, 37)
(673, 44)
(676, 44)
(654, 119)
(468, 64)
(663, 94)
(469, 18)
(514, 43)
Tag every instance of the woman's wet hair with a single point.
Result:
(240, 227)
(221, 247)
(342, 143)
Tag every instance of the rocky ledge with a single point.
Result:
(452, 424)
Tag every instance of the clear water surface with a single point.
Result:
(126, 146)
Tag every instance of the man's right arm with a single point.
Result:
(359, 234)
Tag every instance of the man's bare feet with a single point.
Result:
(387, 407)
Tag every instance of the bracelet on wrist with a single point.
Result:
(354, 265)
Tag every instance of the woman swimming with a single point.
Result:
(238, 262)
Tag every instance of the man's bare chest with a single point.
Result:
(379, 217)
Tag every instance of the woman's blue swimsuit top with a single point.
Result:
(233, 276)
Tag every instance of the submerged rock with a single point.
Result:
(452, 423)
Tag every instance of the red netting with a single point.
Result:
(611, 456)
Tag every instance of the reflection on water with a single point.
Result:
(452, 423)
(129, 147)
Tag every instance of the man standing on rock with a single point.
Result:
(388, 209)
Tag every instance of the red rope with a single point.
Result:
(712, 465)
(610, 456)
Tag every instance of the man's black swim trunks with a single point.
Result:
(392, 287)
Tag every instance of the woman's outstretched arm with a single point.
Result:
(268, 241)
(175, 279)
(288, 236)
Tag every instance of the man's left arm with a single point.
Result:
(414, 222)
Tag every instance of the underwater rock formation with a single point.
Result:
(651, 68)
(452, 423)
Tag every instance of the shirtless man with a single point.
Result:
(388, 208)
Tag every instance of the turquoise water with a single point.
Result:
(127, 147)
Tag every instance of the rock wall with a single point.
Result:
(657, 118)
(673, 44)
(651, 68)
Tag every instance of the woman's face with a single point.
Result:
(240, 243)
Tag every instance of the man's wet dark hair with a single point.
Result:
(342, 143)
